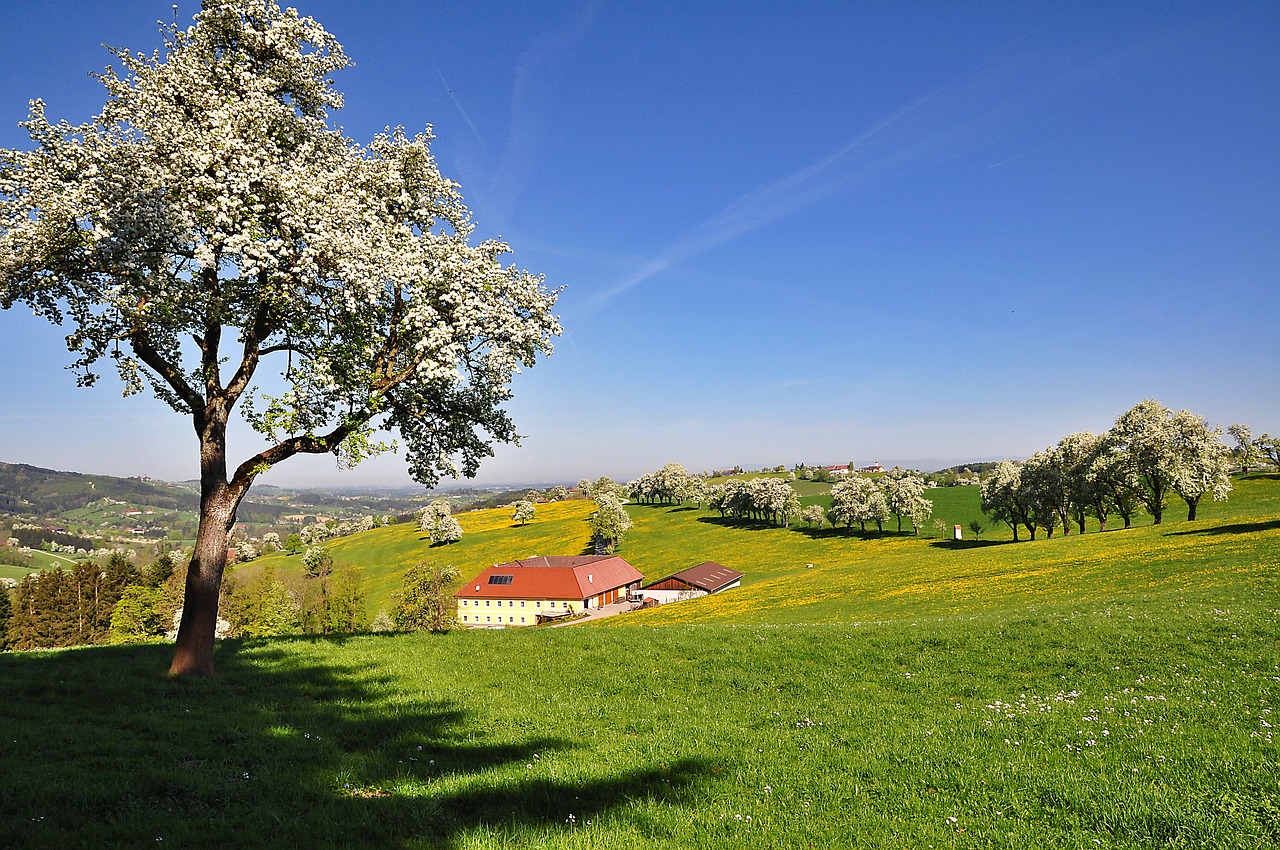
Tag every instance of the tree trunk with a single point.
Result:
(1191, 508)
(193, 650)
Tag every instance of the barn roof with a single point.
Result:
(708, 576)
(565, 577)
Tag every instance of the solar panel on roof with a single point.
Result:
(500, 579)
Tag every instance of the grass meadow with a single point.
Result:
(39, 561)
(1104, 690)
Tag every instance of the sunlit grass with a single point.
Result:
(854, 576)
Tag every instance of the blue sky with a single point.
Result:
(918, 233)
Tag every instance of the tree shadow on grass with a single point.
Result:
(1233, 528)
(967, 544)
(99, 749)
(847, 533)
(669, 507)
(738, 522)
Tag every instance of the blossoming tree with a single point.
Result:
(214, 236)
(523, 512)
(1171, 451)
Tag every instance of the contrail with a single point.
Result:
(465, 116)
(1010, 159)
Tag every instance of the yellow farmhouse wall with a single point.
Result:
(510, 612)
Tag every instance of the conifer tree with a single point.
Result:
(6, 613)
(87, 589)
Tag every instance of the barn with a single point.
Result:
(707, 577)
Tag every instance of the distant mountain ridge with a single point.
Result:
(33, 490)
(26, 489)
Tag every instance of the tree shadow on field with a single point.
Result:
(968, 544)
(738, 522)
(1233, 528)
(101, 749)
(669, 507)
(847, 533)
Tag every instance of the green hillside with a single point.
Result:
(31, 490)
(1111, 690)
(489, 538)
(800, 575)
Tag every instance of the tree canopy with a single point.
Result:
(217, 239)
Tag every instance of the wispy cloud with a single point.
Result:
(958, 117)
(771, 202)
(1008, 160)
(528, 122)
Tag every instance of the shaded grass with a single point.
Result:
(1133, 724)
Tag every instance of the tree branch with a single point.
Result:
(302, 444)
(257, 331)
(157, 363)
(210, 341)
(276, 349)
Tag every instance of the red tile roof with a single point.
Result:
(568, 577)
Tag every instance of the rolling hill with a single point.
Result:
(1114, 689)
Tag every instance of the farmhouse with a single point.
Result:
(534, 590)
(707, 577)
